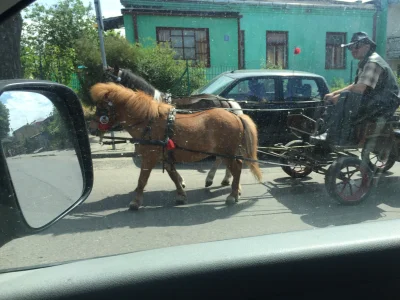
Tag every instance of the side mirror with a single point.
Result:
(45, 159)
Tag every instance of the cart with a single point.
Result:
(349, 171)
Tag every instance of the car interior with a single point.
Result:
(253, 89)
(344, 262)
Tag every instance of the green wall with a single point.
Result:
(128, 23)
(307, 31)
(222, 53)
(382, 28)
(307, 27)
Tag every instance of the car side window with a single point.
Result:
(253, 89)
(300, 89)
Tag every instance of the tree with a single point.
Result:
(118, 51)
(10, 36)
(158, 65)
(155, 63)
(49, 39)
(4, 121)
(57, 131)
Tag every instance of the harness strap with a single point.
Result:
(147, 130)
(169, 133)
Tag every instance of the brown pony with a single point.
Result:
(212, 131)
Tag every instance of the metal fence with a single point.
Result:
(74, 83)
(210, 73)
(206, 74)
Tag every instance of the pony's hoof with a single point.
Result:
(209, 183)
(183, 184)
(181, 200)
(134, 206)
(231, 200)
(225, 183)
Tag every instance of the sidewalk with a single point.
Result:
(106, 151)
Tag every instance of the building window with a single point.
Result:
(189, 43)
(335, 56)
(277, 48)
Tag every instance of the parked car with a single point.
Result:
(279, 91)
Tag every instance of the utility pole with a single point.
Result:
(100, 28)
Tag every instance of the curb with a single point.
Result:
(113, 154)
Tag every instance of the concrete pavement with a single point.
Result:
(103, 225)
(106, 151)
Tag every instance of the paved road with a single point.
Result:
(103, 225)
(46, 184)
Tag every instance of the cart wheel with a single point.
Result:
(349, 180)
(295, 156)
(379, 158)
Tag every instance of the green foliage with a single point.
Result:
(155, 63)
(4, 121)
(49, 38)
(158, 65)
(57, 132)
(118, 52)
(29, 145)
(58, 39)
(266, 64)
(337, 84)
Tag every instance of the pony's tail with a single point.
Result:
(251, 145)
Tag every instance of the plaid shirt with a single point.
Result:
(369, 75)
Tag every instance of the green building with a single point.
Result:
(237, 34)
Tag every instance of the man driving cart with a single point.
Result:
(373, 96)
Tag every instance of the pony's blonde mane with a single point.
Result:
(137, 104)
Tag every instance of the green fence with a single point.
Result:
(201, 76)
(74, 83)
(210, 73)
(205, 73)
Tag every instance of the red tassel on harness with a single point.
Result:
(170, 145)
(104, 127)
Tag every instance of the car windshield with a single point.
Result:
(302, 136)
(215, 86)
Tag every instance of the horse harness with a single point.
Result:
(167, 142)
(107, 117)
(165, 97)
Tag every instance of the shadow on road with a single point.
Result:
(303, 197)
(310, 200)
(202, 166)
(159, 211)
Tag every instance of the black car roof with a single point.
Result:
(255, 73)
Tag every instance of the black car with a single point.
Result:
(268, 96)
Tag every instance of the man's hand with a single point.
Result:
(331, 98)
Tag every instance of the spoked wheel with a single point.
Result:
(380, 156)
(295, 158)
(349, 180)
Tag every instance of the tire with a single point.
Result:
(299, 170)
(360, 187)
(378, 161)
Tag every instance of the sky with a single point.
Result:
(109, 8)
(26, 107)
